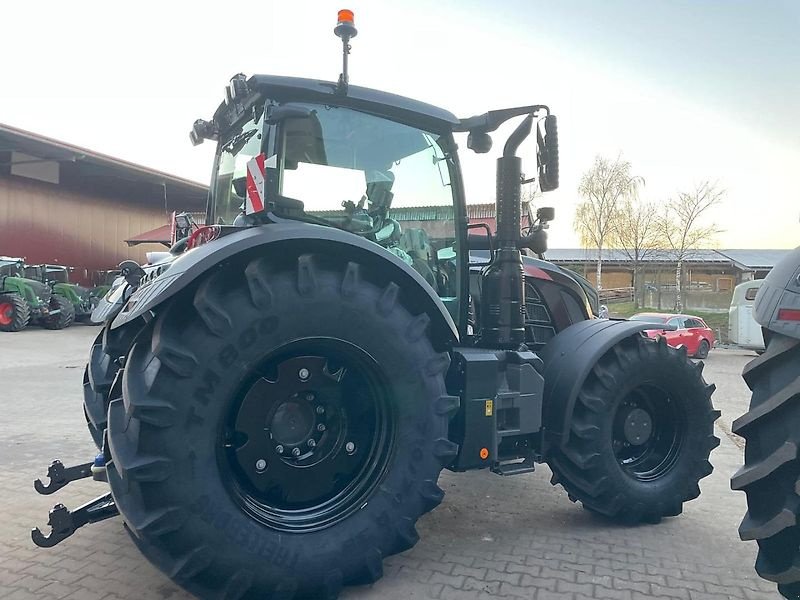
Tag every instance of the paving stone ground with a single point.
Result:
(492, 537)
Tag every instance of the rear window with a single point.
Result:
(750, 294)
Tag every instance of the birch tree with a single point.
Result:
(635, 231)
(683, 228)
(603, 187)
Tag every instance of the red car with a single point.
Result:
(690, 331)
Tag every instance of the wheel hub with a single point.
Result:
(638, 427)
(292, 423)
(5, 313)
(310, 436)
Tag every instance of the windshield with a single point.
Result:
(648, 318)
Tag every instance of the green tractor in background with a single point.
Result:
(24, 301)
(83, 299)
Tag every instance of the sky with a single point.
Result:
(686, 91)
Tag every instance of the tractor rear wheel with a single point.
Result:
(102, 376)
(280, 431)
(771, 470)
(641, 433)
(63, 318)
(14, 312)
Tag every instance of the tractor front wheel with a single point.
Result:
(641, 433)
(281, 430)
(14, 312)
(61, 319)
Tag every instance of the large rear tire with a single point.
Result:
(641, 433)
(63, 318)
(771, 473)
(281, 430)
(102, 380)
(15, 314)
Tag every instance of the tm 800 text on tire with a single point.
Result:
(295, 421)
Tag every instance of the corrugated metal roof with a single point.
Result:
(756, 259)
(743, 259)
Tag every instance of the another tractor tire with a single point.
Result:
(702, 350)
(771, 470)
(15, 314)
(62, 319)
(641, 433)
(102, 376)
(281, 429)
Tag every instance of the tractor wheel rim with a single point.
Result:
(310, 437)
(6, 313)
(648, 432)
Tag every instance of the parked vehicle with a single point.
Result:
(83, 299)
(24, 300)
(281, 394)
(681, 331)
(771, 429)
(743, 329)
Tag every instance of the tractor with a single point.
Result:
(771, 429)
(83, 299)
(274, 403)
(24, 300)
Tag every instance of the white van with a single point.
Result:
(742, 327)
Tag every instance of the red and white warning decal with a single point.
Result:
(256, 174)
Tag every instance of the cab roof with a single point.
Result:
(384, 104)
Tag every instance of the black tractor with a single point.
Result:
(276, 402)
(771, 473)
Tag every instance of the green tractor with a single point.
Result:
(83, 299)
(24, 300)
(275, 400)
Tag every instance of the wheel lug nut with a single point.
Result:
(303, 374)
(261, 464)
(309, 397)
(320, 409)
(279, 449)
(350, 447)
(296, 452)
(321, 427)
(311, 443)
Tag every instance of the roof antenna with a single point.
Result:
(345, 29)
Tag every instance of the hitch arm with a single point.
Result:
(63, 522)
(60, 476)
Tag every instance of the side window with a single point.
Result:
(229, 185)
(676, 322)
(750, 294)
(691, 323)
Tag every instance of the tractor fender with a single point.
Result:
(568, 359)
(283, 239)
(780, 291)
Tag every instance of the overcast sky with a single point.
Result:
(686, 91)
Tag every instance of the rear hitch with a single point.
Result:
(60, 476)
(63, 522)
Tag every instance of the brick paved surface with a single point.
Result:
(492, 537)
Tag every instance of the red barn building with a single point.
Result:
(67, 205)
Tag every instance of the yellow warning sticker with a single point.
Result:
(489, 407)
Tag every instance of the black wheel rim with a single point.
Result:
(648, 432)
(310, 436)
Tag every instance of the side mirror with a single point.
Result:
(547, 153)
(546, 214)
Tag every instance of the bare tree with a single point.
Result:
(635, 231)
(602, 187)
(683, 230)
